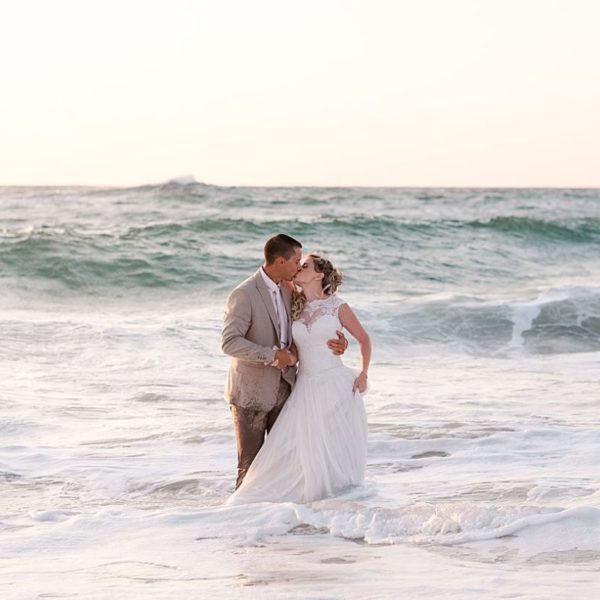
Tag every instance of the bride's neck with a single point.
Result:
(314, 292)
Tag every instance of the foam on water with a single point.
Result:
(117, 451)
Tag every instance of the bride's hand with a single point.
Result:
(360, 383)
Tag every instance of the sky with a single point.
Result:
(497, 93)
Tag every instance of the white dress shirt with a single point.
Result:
(279, 306)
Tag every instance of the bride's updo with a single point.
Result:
(332, 279)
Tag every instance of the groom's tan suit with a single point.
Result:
(255, 391)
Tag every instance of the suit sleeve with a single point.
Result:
(237, 320)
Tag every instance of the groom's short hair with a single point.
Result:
(280, 245)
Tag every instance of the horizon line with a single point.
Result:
(174, 182)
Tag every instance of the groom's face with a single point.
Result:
(292, 265)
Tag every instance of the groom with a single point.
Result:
(257, 334)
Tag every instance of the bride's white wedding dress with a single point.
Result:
(317, 446)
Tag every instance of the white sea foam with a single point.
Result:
(117, 450)
(183, 180)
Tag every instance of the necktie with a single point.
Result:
(281, 317)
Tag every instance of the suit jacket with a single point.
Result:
(250, 330)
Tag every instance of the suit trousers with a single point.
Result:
(250, 426)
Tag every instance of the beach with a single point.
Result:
(117, 450)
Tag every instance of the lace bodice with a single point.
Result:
(318, 322)
(319, 308)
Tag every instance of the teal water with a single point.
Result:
(191, 235)
(457, 264)
(117, 450)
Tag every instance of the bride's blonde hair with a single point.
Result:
(332, 279)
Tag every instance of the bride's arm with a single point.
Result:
(350, 321)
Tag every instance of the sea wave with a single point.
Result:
(555, 321)
(568, 230)
(422, 523)
(486, 247)
(582, 230)
(380, 228)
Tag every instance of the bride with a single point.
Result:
(317, 446)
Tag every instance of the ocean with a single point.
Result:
(116, 446)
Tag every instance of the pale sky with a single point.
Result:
(312, 92)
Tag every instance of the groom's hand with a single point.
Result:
(338, 346)
(284, 358)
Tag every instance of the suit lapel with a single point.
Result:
(266, 297)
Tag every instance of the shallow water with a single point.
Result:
(117, 452)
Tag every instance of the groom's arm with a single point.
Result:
(238, 317)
